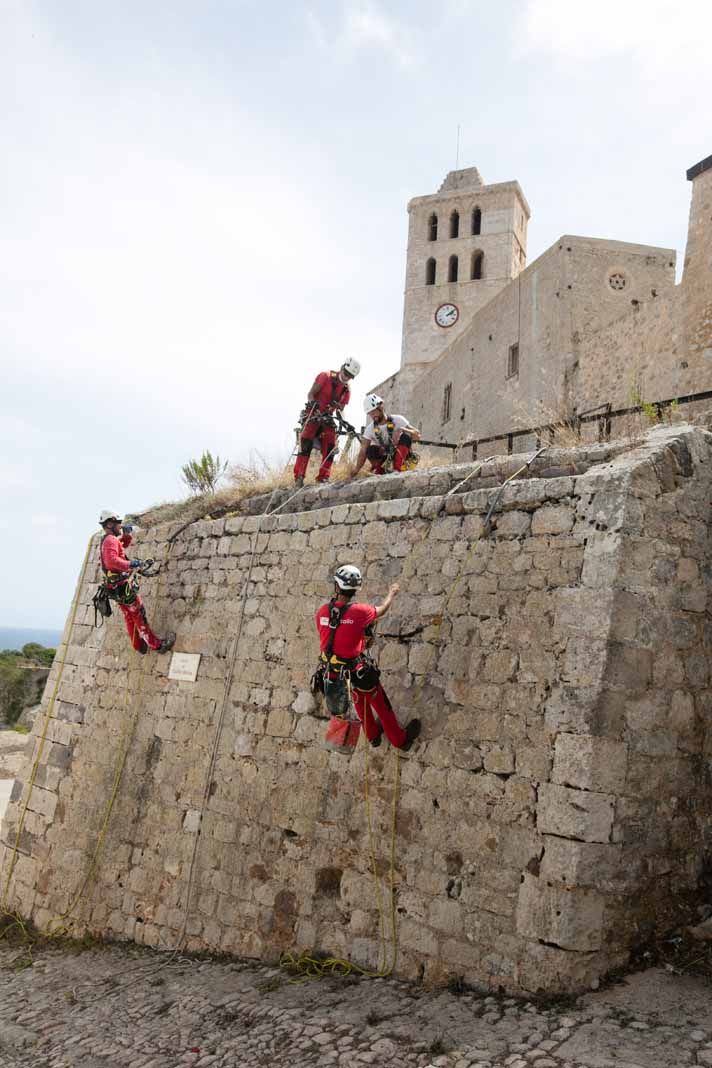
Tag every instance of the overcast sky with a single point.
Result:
(203, 205)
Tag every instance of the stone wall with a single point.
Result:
(661, 349)
(558, 800)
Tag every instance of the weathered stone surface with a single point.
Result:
(562, 688)
(590, 763)
(562, 915)
(575, 813)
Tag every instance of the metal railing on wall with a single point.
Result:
(603, 415)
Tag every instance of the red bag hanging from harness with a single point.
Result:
(342, 734)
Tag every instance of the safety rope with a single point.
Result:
(43, 734)
(62, 930)
(303, 966)
(307, 966)
(59, 930)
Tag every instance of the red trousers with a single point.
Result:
(137, 626)
(376, 701)
(378, 456)
(327, 437)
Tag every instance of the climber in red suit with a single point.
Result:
(329, 394)
(117, 570)
(351, 623)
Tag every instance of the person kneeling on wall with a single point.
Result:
(121, 586)
(386, 441)
(343, 633)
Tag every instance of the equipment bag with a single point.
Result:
(366, 675)
(102, 605)
(342, 735)
(336, 695)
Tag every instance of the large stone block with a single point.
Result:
(576, 814)
(560, 915)
(590, 763)
(553, 519)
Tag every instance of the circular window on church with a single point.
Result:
(617, 280)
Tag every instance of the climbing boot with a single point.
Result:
(298, 482)
(167, 643)
(375, 742)
(143, 648)
(411, 733)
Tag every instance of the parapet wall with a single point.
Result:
(559, 798)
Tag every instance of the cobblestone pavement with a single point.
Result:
(116, 1006)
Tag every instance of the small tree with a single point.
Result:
(202, 476)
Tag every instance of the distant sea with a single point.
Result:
(16, 637)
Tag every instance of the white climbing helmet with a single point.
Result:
(351, 366)
(347, 577)
(106, 515)
(370, 402)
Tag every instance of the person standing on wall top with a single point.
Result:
(329, 394)
(351, 624)
(386, 441)
(118, 571)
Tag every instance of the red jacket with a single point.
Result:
(331, 394)
(113, 557)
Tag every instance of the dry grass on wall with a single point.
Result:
(259, 476)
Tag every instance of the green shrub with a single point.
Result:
(202, 476)
(18, 682)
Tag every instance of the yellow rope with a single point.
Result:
(124, 746)
(43, 734)
(307, 966)
(304, 965)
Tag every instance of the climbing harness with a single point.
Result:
(384, 449)
(334, 682)
(120, 587)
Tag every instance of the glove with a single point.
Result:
(135, 563)
(127, 528)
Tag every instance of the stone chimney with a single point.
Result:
(697, 276)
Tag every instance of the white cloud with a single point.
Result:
(652, 32)
(363, 26)
(366, 26)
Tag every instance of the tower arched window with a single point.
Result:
(433, 228)
(476, 222)
(452, 269)
(477, 265)
(430, 268)
(455, 224)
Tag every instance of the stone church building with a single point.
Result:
(493, 346)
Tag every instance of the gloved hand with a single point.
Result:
(135, 563)
(127, 528)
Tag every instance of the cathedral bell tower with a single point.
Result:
(465, 243)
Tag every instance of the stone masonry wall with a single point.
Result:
(557, 801)
(663, 348)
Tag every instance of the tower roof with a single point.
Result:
(456, 181)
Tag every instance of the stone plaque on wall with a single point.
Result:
(184, 667)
